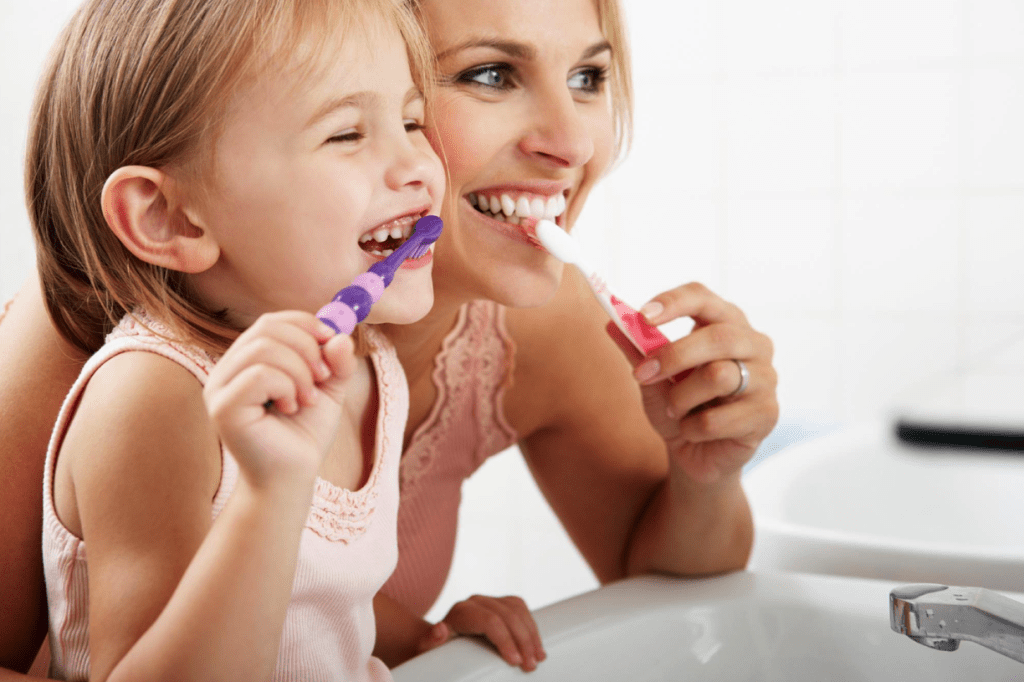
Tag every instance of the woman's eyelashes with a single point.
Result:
(498, 77)
(491, 76)
(590, 80)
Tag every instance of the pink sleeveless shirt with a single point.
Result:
(466, 426)
(347, 551)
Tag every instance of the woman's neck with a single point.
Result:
(417, 344)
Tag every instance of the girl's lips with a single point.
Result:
(416, 263)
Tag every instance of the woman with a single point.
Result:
(641, 480)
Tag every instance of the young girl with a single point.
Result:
(203, 175)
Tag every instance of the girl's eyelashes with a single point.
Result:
(352, 136)
(348, 136)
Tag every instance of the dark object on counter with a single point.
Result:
(960, 436)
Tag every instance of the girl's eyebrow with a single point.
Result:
(517, 50)
(362, 100)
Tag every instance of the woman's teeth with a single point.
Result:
(385, 239)
(504, 208)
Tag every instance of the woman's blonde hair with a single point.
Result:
(613, 26)
(147, 82)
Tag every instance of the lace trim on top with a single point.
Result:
(472, 372)
(336, 514)
(342, 515)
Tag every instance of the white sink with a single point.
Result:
(861, 503)
(744, 626)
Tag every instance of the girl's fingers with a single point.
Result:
(271, 352)
(506, 623)
(300, 331)
(241, 401)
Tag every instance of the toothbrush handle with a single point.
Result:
(645, 336)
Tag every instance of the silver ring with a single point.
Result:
(744, 378)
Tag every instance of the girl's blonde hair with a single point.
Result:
(147, 82)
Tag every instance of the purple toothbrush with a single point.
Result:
(351, 305)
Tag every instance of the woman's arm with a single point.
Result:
(636, 489)
(37, 369)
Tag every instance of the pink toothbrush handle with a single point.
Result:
(644, 334)
(647, 337)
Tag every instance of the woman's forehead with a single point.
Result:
(452, 22)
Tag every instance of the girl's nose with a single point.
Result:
(558, 135)
(412, 165)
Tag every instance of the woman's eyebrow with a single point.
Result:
(516, 50)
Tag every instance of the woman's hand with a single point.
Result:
(276, 396)
(711, 429)
(504, 621)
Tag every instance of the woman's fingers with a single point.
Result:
(506, 622)
(692, 300)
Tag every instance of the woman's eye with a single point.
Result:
(412, 125)
(589, 80)
(496, 76)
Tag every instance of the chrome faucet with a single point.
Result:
(940, 617)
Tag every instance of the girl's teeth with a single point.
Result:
(381, 234)
(387, 252)
(406, 231)
(396, 232)
(365, 238)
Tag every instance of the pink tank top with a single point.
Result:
(466, 426)
(348, 547)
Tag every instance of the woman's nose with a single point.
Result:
(559, 134)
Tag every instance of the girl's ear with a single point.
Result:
(142, 207)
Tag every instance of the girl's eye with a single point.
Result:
(347, 136)
(589, 80)
(412, 125)
(494, 76)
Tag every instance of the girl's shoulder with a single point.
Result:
(140, 424)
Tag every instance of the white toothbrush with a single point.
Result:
(560, 244)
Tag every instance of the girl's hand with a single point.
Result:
(711, 430)
(279, 360)
(504, 621)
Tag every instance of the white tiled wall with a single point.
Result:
(850, 172)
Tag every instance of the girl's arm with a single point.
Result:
(638, 490)
(172, 595)
(505, 622)
(37, 369)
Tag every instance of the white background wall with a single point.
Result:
(851, 172)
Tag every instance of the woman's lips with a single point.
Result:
(523, 232)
